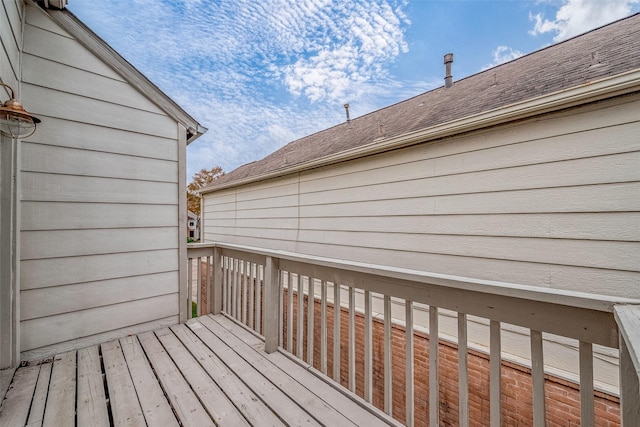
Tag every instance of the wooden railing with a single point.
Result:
(268, 290)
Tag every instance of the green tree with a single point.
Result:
(200, 180)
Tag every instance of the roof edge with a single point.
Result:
(597, 90)
(72, 24)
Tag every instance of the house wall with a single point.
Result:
(99, 227)
(11, 13)
(550, 202)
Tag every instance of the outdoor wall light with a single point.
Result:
(15, 121)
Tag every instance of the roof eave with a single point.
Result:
(69, 22)
(597, 90)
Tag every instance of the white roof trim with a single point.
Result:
(109, 56)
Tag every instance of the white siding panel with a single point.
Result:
(55, 329)
(70, 188)
(69, 161)
(594, 170)
(78, 216)
(591, 253)
(59, 348)
(593, 198)
(272, 188)
(267, 202)
(221, 207)
(66, 299)
(224, 196)
(284, 212)
(270, 234)
(103, 139)
(88, 110)
(271, 223)
(621, 226)
(66, 50)
(47, 244)
(61, 77)
(10, 40)
(42, 273)
(594, 280)
(576, 145)
(582, 253)
(39, 18)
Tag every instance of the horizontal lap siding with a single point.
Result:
(10, 42)
(551, 202)
(99, 211)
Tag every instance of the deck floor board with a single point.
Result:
(60, 409)
(91, 408)
(210, 371)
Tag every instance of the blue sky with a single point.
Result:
(262, 73)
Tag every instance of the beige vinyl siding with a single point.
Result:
(11, 13)
(551, 202)
(99, 206)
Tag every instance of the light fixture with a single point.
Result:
(15, 121)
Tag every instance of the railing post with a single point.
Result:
(215, 294)
(271, 305)
(628, 320)
(629, 388)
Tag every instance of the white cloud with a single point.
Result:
(501, 55)
(346, 44)
(578, 16)
(259, 74)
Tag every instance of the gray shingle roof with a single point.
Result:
(600, 53)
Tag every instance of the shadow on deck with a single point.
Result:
(210, 371)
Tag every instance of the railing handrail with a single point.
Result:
(581, 300)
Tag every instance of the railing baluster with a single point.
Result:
(244, 292)
(310, 318)
(434, 385)
(300, 319)
(368, 348)
(281, 311)
(252, 295)
(537, 374)
(463, 372)
(260, 275)
(232, 300)
(290, 314)
(227, 285)
(189, 287)
(236, 289)
(388, 359)
(336, 332)
(586, 385)
(352, 340)
(199, 286)
(495, 376)
(323, 327)
(409, 367)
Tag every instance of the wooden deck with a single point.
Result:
(210, 371)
